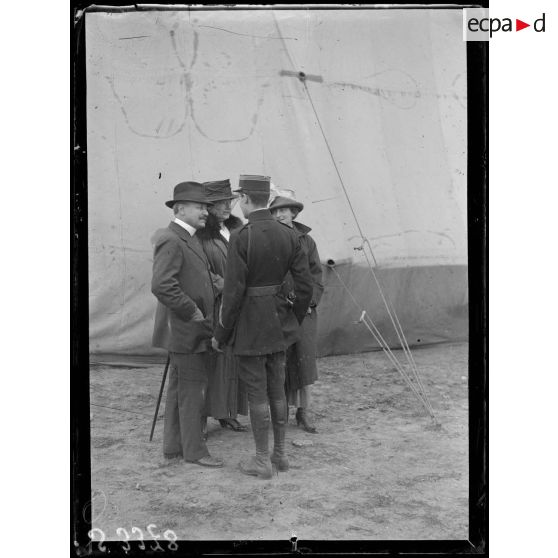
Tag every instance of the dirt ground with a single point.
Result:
(377, 469)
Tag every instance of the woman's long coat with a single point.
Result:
(301, 369)
(225, 397)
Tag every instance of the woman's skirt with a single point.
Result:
(225, 394)
(301, 369)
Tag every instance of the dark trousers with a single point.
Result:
(184, 406)
(263, 377)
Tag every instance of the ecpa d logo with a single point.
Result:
(478, 26)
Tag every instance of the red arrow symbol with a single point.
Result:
(519, 25)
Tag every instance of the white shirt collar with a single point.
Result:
(186, 226)
(225, 232)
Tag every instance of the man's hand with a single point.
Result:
(216, 345)
(198, 316)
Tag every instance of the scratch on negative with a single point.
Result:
(248, 35)
(325, 199)
(436, 233)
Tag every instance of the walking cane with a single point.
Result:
(159, 398)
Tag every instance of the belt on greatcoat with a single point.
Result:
(263, 291)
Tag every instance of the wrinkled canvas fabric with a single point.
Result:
(174, 96)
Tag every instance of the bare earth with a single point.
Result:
(377, 469)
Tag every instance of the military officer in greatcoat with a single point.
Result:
(258, 321)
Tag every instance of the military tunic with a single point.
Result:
(255, 316)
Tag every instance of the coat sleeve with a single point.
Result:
(236, 274)
(302, 281)
(167, 261)
(316, 272)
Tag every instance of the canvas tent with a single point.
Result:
(211, 94)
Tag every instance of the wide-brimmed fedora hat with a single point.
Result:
(219, 190)
(253, 184)
(285, 198)
(189, 192)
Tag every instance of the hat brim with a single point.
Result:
(171, 203)
(223, 198)
(290, 203)
(248, 192)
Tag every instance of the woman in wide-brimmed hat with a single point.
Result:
(301, 370)
(225, 397)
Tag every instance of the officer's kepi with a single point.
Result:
(253, 184)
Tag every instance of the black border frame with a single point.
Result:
(477, 205)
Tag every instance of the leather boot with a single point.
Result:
(302, 419)
(279, 417)
(204, 428)
(260, 465)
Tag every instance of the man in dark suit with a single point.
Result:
(258, 321)
(186, 291)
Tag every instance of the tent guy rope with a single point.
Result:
(367, 321)
(389, 307)
(302, 76)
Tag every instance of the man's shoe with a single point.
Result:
(208, 461)
(256, 468)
